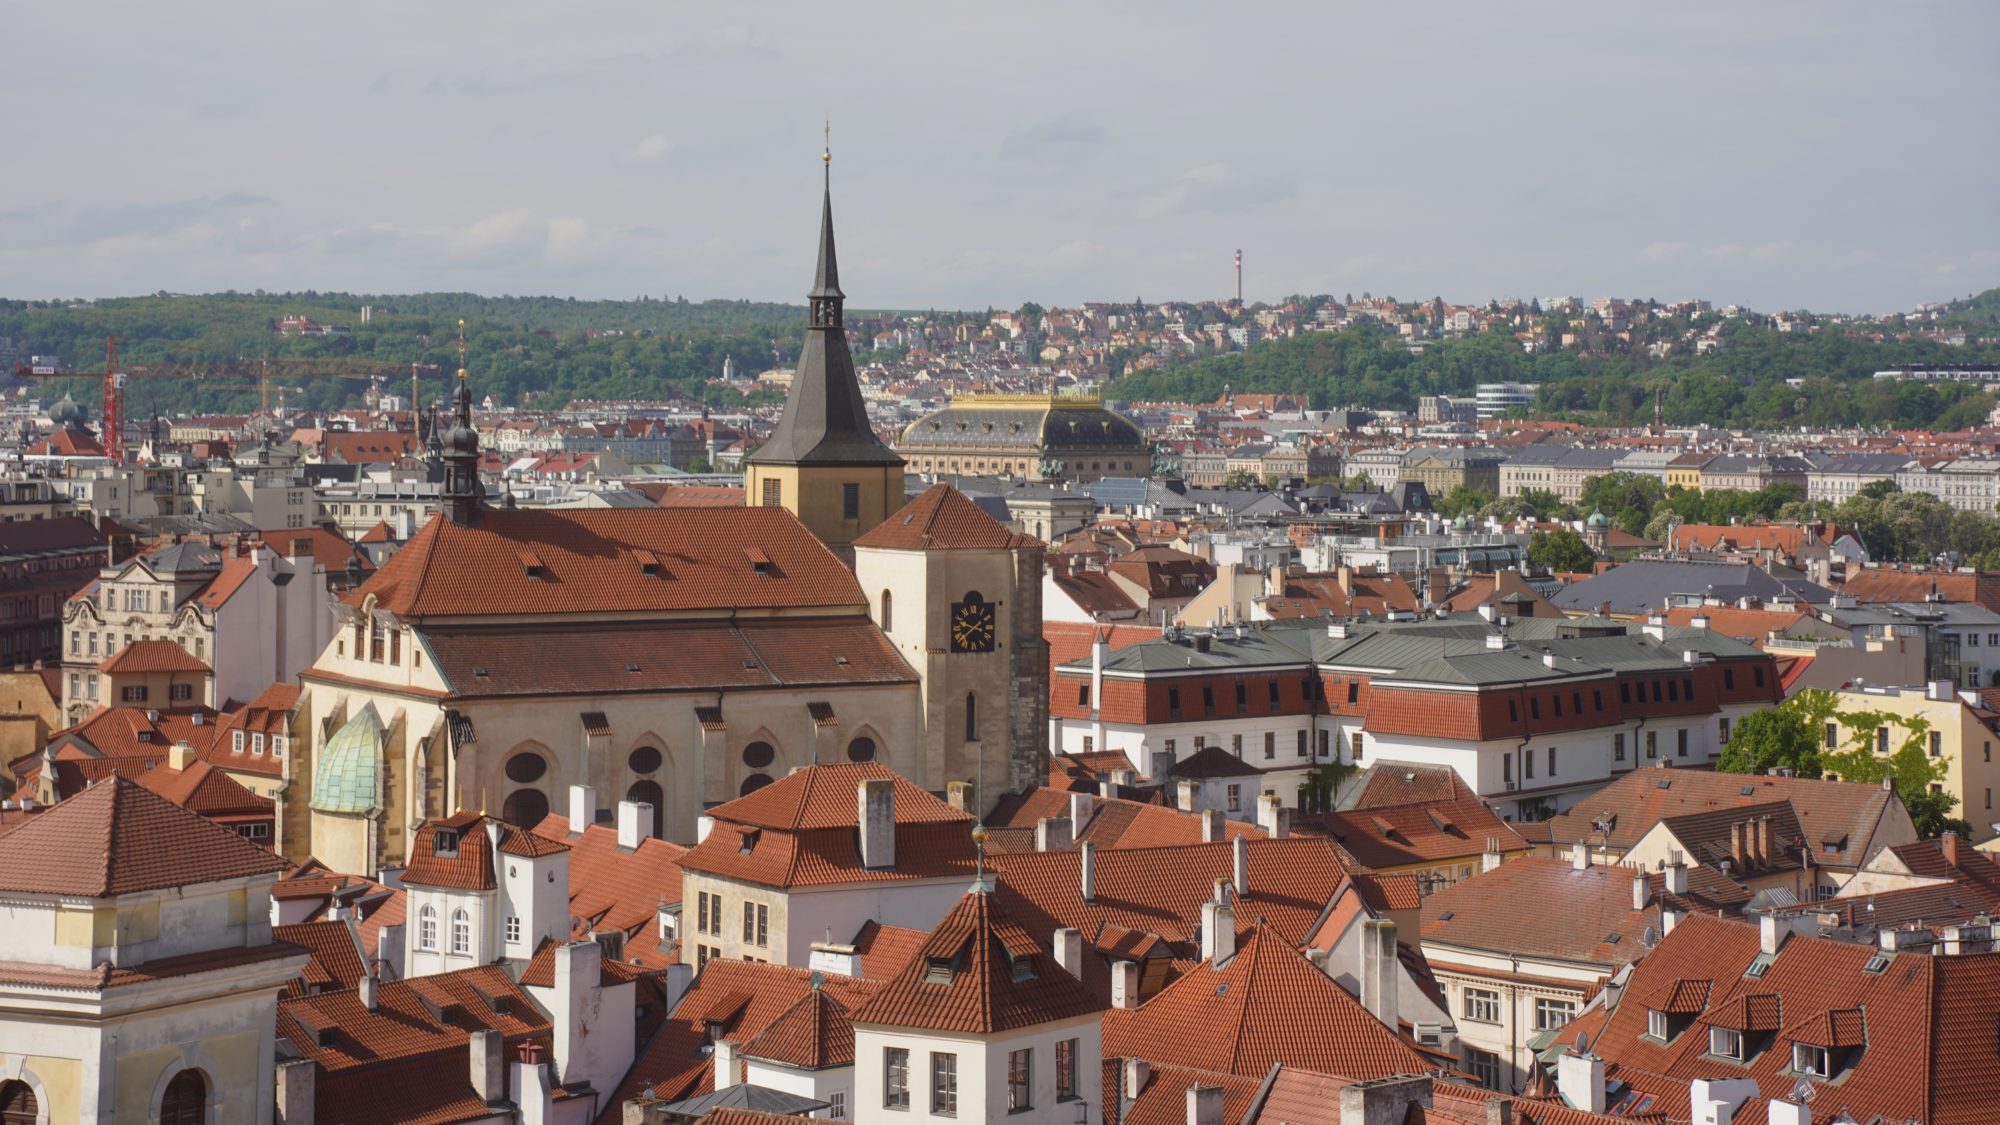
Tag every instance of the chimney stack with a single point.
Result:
(1491, 857)
(877, 801)
(582, 808)
(1677, 875)
(1273, 817)
(728, 1072)
(1580, 1080)
(1204, 1105)
(1239, 855)
(297, 1085)
(1136, 1073)
(534, 1095)
(1641, 891)
(1185, 795)
(1124, 984)
(1767, 842)
(1211, 826)
(1579, 856)
(635, 823)
(1379, 969)
(1080, 807)
(180, 756)
(1052, 834)
(1738, 854)
(368, 988)
(1086, 867)
(488, 1072)
(958, 794)
(1068, 951)
(1218, 926)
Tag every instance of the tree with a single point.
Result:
(1242, 480)
(1538, 503)
(1323, 785)
(1764, 740)
(1561, 550)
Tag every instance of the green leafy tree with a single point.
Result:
(1561, 550)
(1538, 503)
(1323, 785)
(1462, 501)
(1242, 479)
(1764, 740)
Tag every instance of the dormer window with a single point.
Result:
(938, 970)
(1656, 1025)
(1812, 1061)
(1022, 969)
(445, 842)
(1724, 1043)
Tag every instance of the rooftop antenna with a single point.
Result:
(1239, 278)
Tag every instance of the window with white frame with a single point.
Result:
(257, 743)
(236, 741)
(944, 1084)
(1656, 1025)
(427, 928)
(1725, 1043)
(461, 932)
(1482, 1005)
(1551, 1014)
(896, 1078)
(1810, 1060)
(836, 1105)
(513, 929)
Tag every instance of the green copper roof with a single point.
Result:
(349, 772)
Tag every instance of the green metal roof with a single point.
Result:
(349, 774)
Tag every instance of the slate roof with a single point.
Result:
(116, 838)
(1645, 584)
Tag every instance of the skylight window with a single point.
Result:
(1876, 963)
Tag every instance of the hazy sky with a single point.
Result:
(1815, 155)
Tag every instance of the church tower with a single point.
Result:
(824, 463)
(461, 450)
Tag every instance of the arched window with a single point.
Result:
(525, 807)
(186, 1100)
(861, 749)
(753, 783)
(757, 755)
(888, 614)
(461, 932)
(427, 928)
(17, 1104)
(971, 717)
(649, 792)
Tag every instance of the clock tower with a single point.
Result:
(823, 462)
(959, 596)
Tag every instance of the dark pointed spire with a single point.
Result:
(825, 420)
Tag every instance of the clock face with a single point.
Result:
(972, 626)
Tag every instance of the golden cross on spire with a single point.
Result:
(826, 153)
(461, 347)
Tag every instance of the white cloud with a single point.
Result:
(652, 152)
(1189, 189)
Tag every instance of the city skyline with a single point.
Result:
(1110, 154)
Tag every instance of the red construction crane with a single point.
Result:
(114, 395)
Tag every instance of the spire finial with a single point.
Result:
(461, 347)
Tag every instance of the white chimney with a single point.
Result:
(368, 989)
(728, 1071)
(1379, 970)
(582, 808)
(1080, 807)
(635, 823)
(1273, 817)
(876, 799)
(1218, 927)
(573, 1005)
(1124, 984)
(1677, 876)
(489, 1073)
(1068, 948)
(1204, 1105)
(1052, 834)
(1713, 1101)
(1579, 856)
(1641, 891)
(297, 1085)
(1785, 1111)
(532, 1091)
(1771, 932)
(1580, 1080)
(1211, 826)
(1136, 1073)
(1491, 857)
(1185, 795)
(1239, 856)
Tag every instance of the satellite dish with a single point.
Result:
(1582, 1042)
(1648, 937)
(1802, 1091)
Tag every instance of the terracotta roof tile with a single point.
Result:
(942, 519)
(1265, 1005)
(152, 656)
(336, 956)
(450, 569)
(979, 972)
(1635, 802)
(117, 838)
(204, 789)
(1505, 911)
(611, 888)
(814, 1034)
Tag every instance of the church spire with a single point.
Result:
(826, 296)
(461, 449)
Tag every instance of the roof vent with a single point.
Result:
(631, 667)
(480, 672)
(759, 561)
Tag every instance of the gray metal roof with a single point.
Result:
(1646, 584)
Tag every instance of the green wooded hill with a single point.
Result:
(545, 349)
(1742, 383)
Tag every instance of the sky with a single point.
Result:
(1825, 156)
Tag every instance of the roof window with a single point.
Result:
(445, 842)
(938, 970)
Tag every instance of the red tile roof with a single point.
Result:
(336, 956)
(942, 519)
(1265, 1005)
(611, 888)
(116, 838)
(204, 789)
(1505, 911)
(978, 973)
(826, 797)
(152, 656)
(1827, 811)
(471, 866)
(816, 1033)
(590, 564)
(1433, 832)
